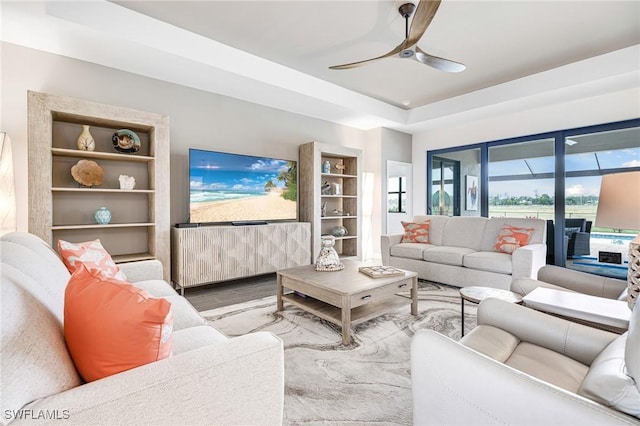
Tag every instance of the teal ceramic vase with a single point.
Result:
(103, 215)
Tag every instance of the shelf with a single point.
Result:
(133, 257)
(98, 226)
(346, 237)
(107, 190)
(339, 196)
(338, 217)
(333, 314)
(338, 175)
(63, 152)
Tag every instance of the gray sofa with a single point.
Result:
(208, 379)
(461, 252)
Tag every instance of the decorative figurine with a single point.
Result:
(127, 182)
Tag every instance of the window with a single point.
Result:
(554, 176)
(397, 195)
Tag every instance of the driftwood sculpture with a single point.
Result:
(87, 173)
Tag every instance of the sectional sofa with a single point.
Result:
(208, 379)
(461, 251)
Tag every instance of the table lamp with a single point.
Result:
(619, 208)
(7, 187)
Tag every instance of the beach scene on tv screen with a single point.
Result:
(229, 187)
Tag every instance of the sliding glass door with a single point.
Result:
(553, 176)
(587, 158)
(445, 187)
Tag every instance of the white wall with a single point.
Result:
(612, 107)
(198, 119)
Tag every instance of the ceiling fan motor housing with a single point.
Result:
(406, 10)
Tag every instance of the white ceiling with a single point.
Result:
(277, 53)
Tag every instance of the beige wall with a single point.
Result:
(590, 110)
(198, 119)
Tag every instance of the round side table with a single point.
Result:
(477, 294)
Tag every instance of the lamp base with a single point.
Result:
(633, 278)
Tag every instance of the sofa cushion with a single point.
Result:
(184, 314)
(92, 255)
(416, 232)
(46, 276)
(446, 255)
(464, 231)
(548, 365)
(156, 288)
(192, 338)
(489, 261)
(436, 228)
(409, 250)
(35, 362)
(111, 326)
(494, 225)
(510, 238)
(608, 382)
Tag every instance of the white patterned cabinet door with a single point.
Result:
(210, 254)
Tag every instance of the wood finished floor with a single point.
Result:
(231, 292)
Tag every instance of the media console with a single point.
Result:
(210, 254)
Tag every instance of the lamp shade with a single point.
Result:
(619, 203)
(7, 187)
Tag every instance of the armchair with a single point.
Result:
(523, 367)
(578, 232)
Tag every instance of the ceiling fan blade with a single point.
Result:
(441, 64)
(422, 17)
(366, 61)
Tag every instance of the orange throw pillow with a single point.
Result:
(416, 232)
(92, 255)
(111, 326)
(511, 237)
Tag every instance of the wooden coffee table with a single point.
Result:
(345, 297)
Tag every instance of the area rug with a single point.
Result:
(366, 382)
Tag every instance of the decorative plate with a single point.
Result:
(124, 140)
(87, 173)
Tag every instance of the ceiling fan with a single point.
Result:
(424, 14)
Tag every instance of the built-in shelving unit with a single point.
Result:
(341, 196)
(60, 208)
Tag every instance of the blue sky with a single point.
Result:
(232, 172)
(573, 162)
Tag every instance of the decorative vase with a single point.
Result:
(339, 231)
(328, 259)
(326, 167)
(85, 140)
(103, 215)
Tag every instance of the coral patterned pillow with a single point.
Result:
(511, 237)
(416, 232)
(92, 255)
(111, 326)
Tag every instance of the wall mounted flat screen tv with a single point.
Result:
(226, 187)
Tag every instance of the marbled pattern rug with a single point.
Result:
(367, 382)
